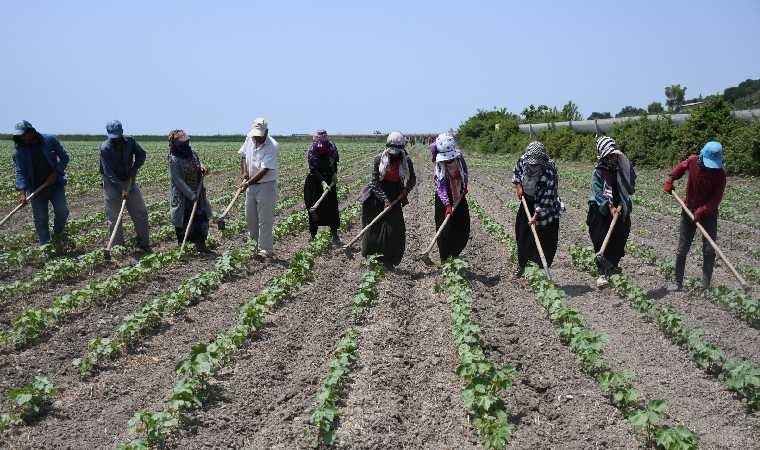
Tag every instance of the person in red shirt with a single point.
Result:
(704, 191)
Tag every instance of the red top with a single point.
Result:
(704, 188)
(392, 172)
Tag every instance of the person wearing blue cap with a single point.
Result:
(704, 191)
(41, 162)
(120, 159)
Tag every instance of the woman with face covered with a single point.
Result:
(322, 158)
(612, 184)
(535, 178)
(186, 176)
(451, 177)
(392, 178)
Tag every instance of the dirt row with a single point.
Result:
(662, 370)
(404, 392)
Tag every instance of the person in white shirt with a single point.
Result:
(258, 173)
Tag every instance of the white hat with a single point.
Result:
(445, 143)
(396, 139)
(259, 128)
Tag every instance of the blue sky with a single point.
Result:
(212, 67)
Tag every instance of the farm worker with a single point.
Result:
(186, 174)
(451, 177)
(704, 191)
(392, 178)
(41, 161)
(612, 184)
(322, 158)
(120, 159)
(258, 174)
(535, 178)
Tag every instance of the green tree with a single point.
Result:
(631, 111)
(571, 112)
(655, 108)
(599, 115)
(675, 94)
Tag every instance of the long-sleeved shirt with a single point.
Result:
(119, 163)
(704, 188)
(54, 153)
(548, 205)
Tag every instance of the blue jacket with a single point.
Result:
(118, 166)
(54, 153)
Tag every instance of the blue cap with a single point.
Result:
(712, 155)
(114, 129)
(22, 127)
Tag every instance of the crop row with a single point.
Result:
(29, 402)
(195, 373)
(27, 328)
(741, 377)
(484, 383)
(738, 301)
(325, 413)
(588, 347)
(140, 324)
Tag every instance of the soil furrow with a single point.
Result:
(552, 403)
(405, 394)
(143, 380)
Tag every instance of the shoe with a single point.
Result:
(145, 248)
(266, 254)
(675, 287)
(602, 282)
(336, 239)
(518, 273)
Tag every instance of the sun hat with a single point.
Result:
(259, 127)
(22, 127)
(712, 155)
(114, 129)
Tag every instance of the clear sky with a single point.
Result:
(212, 67)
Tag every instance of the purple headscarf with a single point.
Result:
(321, 147)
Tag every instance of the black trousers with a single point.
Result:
(548, 236)
(454, 237)
(327, 213)
(598, 224)
(686, 235)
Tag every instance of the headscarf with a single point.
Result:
(534, 159)
(394, 150)
(320, 148)
(606, 146)
(535, 153)
(179, 144)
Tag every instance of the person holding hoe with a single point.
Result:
(535, 180)
(320, 186)
(392, 179)
(451, 177)
(704, 192)
(258, 175)
(609, 207)
(41, 162)
(121, 157)
(186, 175)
